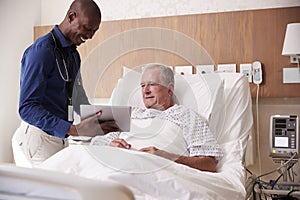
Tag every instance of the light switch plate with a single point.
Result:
(291, 75)
(227, 68)
(246, 69)
(204, 69)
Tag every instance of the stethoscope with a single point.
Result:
(67, 79)
(57, 49)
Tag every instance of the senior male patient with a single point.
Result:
(183, 136)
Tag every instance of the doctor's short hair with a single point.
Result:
(85, 5)
(166, 73)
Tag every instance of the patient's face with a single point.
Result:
(155, 94)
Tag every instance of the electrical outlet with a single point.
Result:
(182, 70)
(227, 68)
(204, 69)
(246, 69)
(293, 59)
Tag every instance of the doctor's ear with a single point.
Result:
(71, 16)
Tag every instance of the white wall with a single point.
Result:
(129, 9)
(17, 21)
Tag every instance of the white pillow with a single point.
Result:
(127, 91)
(204, 94)
(201, 92)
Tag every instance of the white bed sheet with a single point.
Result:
(172, 180)
(148, 176)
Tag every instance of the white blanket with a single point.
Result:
(149, 176)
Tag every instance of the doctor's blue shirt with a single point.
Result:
(43, 93)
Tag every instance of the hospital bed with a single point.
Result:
(19, 183)
(222, 98)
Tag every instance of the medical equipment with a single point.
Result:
(57, 48)
(284, 136)
(284, 149)
(276, 189)
(257, 72)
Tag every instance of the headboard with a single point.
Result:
(228, 37)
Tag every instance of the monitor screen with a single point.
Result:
(281, 142)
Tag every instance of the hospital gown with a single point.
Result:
(199, 139)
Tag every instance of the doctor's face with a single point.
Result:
(83, 27)
(155, 94)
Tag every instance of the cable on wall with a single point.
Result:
(257, 129)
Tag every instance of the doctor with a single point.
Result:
(50, 87)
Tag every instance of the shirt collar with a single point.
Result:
(63, 41)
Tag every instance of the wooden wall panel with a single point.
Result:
(229, 37)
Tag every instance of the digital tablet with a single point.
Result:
(121, 114)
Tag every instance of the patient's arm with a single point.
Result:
(203, 163)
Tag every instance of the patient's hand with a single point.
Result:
(119, 142)
(149, 149)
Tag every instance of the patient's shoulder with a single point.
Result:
(183, 110)
(180, 109)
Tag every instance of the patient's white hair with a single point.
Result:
(166, 73)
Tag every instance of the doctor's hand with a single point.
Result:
(121, 143)
(92, 126)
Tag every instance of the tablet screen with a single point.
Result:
(121, 114)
